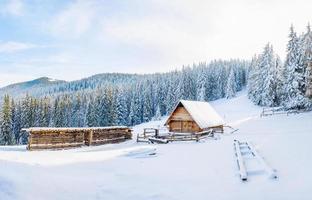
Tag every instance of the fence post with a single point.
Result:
(90, 137)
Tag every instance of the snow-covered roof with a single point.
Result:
(32, 129)
(202, 113)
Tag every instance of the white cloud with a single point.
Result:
(13, 7)
(156, 35)
(73, 21)
(12, 47)
(191, 31)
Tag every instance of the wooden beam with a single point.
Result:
(240, 161)
(90, 137)
(271, 172)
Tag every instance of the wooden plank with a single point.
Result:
(271, 172)
(66, 137)
(90, 137)
(55, 146)
(240, 161)
(158, 140)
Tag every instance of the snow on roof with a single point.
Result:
(202, 113)
(71, 128)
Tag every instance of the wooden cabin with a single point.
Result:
(61, 138)
(194, 116)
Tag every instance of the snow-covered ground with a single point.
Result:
(182, 170)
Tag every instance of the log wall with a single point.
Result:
(182, 121)
(61, 138)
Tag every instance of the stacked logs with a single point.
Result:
(61, 138)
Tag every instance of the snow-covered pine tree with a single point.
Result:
(220, 82)
(76, 120)
(121, 108)
(101, 108)
(6, 137)
(265, 78)
(174, 91)
(60, 119)
(111, 102)
(308, 60)
(280, 79)
(162, 90)
(91, 114)
(17, 123)
(147, 99)
(201, 85)
(136, 107)
(253, 80)
(268, 72)
(26, 116)
(157, 114)
(37, 113)
(295, 97)
(231, 85)
(187, 84)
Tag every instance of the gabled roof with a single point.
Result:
(202, 113)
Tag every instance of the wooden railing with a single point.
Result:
(279, 111)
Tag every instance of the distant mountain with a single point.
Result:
(47, 86)
(33, 83)
(30, 87)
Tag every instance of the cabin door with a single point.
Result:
(187, 126)
(182, 126)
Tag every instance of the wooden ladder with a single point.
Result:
(244, 149)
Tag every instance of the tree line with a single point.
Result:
(121, 100)
(274, 83)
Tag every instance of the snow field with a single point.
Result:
(181, 170)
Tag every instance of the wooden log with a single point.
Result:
(55, 146)
(106, 141)
(90, 137)
(49, 138)
(158, 140)
(240, 161)
(271, 172)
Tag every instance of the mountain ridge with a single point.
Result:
(46, 85)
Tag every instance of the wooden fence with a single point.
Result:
(154, 135)
(278, 111)
(60, 138)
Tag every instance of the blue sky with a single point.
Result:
(74, 39)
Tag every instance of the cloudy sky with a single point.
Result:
(74, 39)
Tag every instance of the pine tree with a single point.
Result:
(17, 123)
(111, 102)
(121, 109)
(295, 73)
(147, 104)
(136, 115)
(6, 123)
(265, 78)
(253, 80)
(231, 85)
(308, 60)
(91, 114)
(280, 80)
(268, 72)
(201, 86)
(157, 114)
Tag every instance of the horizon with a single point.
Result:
(77, 39)
(126, 73)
